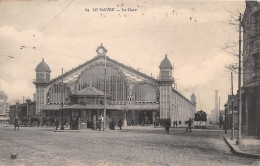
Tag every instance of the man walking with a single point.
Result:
(56, 123)
(189, 125)
(120, 123)
(167, 125)
(16, 124)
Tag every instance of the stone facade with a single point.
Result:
(137, 97)
(251, 70)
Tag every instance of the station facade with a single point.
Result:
(130, 94)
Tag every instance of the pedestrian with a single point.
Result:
(120, 123)
(132, 122)
(167, 125)
(99, 124)
(56, 123)
(113, 123)
(189, 125)
(16, 124)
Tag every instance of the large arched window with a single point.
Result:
(115, 81)
(144, 92)
(54, 94)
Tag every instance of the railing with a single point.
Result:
(40, 81)
(166, 78)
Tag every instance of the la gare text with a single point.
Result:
(111, 10)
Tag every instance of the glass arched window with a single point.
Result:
(144, 92)
(115, 81)
(54, 94)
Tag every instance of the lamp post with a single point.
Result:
(62, 89)
(239, 89)
(225, 118)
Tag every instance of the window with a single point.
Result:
(257, 22)
(115, 81)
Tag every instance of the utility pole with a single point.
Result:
(105, 100)
(218, 111)
(239, 88)
(225, 106)
(232, 100)
(62, 88)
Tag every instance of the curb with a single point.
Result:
(239, 152)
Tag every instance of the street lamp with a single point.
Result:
(225, 118)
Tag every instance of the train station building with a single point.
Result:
(105, 84)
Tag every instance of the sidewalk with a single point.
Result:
(249, 148)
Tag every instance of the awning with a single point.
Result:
(77, 107)
(51, 107)
(138, 107)
(84, 107)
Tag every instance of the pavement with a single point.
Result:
(247, 147)
(134, 145)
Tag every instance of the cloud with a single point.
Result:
(140, 40)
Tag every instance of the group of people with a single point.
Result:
(120, 124)
(168, 124)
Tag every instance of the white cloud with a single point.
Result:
(140, 40)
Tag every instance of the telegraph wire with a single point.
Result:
(46, 25)
(42, 29)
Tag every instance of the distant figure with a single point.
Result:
(112, 124)
(16, 124)
(132, 122)
(221, 121)
(167, 125)
(156, 123)
(120, 123)
(56, 123)
(99, 124)
(189, 125)
(14, 156)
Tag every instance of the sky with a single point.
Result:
(66, 34)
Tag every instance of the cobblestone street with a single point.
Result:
(131, 146)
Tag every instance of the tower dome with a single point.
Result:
(193, 98)
(165, 64)
(42, 67)
(193, 95)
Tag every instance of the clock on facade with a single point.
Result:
(101, 50)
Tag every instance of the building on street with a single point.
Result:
(251, 70)
(232, 103)
(26, 110)
(130, 94)
(4, 108)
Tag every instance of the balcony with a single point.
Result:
(40, 81)
(166, 79)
